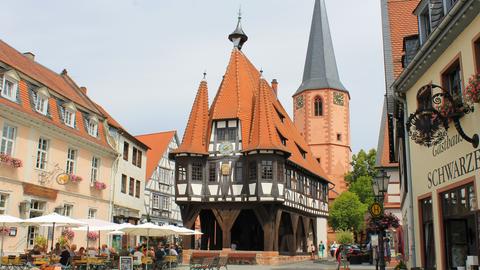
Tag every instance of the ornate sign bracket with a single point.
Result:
(429, 124)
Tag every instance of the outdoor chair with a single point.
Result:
(207, 263)
(195, 261)
(222, 262)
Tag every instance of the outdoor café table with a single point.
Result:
(93, 262)
(6, 261)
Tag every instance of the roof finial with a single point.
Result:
(261, 73)
(238, 37)
(204, 75)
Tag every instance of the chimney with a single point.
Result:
(84, 90)
(275, 86)
(29, 55)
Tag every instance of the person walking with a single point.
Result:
(313, 252)
(321, 249)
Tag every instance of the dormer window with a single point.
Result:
(302, 152)
(226, 131)
(424, 22)
(68, 112)
(9, 84)
(452, 80)
(69, 118)
(93, 126)
(40, 99)
(283, 140)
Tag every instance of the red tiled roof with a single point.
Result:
(194, 138)
(158, 143)
(62, 84)
(244, 95)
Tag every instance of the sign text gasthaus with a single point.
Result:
(456, 168)
(446, 144)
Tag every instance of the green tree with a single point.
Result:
(363, 188)
(347, 213)
(363, 164)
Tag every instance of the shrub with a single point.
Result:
(344, 237)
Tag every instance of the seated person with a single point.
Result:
(124, 251)
(57, 250)
(172, 252)
(81, 252)
(65, 256)
(138, 255)
(35, 252)
(104, 251)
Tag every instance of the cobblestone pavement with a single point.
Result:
(301, 265)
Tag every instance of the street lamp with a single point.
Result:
(380, 187)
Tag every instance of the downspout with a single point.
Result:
(113, 175)
(409, 181)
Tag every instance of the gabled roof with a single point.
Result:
(320, 70)
(194, 138)
(62, 84)
(158, 143)
(34, 76)
(383, 147)
(114, 123)
(244, 95)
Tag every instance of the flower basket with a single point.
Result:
(68, 234)
(10, 161)
(386, 221)
(472, 90)
(75, 178)
(92, 236)
(99, 185)
(4, 230)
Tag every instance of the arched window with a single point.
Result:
(318, 106)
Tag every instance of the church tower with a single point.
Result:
(321, 104)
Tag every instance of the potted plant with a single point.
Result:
(68, 233)
(41, 241)
(75, 178)
(99, 185)
(4, 230)
(400, 266)
(92, 236)
(10, 161)
(472, 90)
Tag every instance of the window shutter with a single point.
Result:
(17, 96)
(33, 97)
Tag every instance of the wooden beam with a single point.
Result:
(226, 218)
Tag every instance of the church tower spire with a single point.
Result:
(238, 37)
(320, 65)
(321, 104)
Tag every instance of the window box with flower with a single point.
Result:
(99, 185)
(75, 178)
(10, 161)
(472, 90)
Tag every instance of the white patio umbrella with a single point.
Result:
(53, 220)
(116, 233)
(180, 230)
(6, 220)
(93, 224)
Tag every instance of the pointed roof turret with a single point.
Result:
(238, 37)
(194, 138)
(264, 133)
(320, 70)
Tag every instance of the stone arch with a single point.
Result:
(247, 231)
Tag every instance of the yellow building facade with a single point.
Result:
(444, 176)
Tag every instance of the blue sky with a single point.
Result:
(143, 59)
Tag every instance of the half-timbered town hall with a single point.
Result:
(245, 171)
